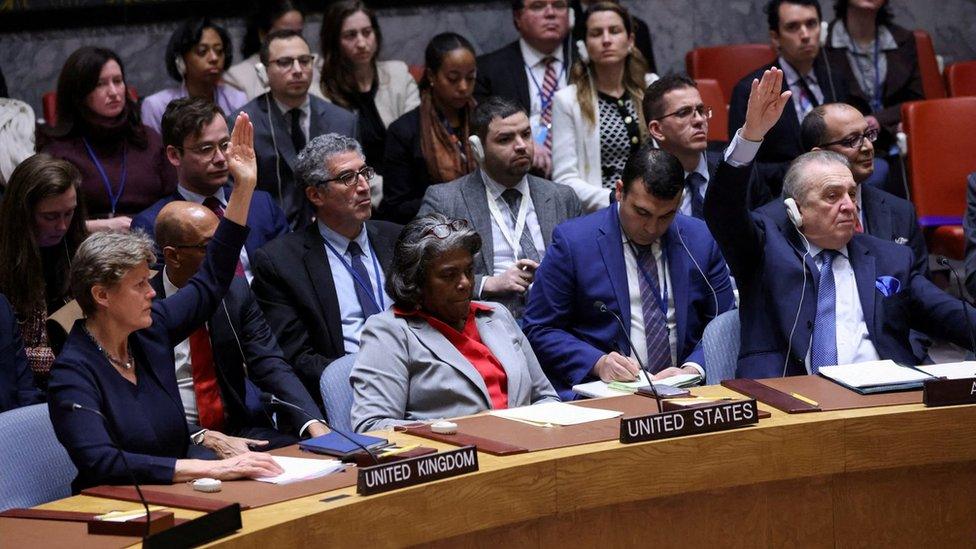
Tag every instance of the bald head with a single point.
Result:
(183, 230)
(838, 127)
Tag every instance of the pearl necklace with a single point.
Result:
(126, 365)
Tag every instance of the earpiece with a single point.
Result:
(477, 149)
(572, 19)
(180, 65)
(581, 50)
(262, 72)
(793, 212)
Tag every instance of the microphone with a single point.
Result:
(71, 407)
(941, 260)
(602, 307)
(269, 399)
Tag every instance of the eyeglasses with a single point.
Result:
(351, 177)
(444, 230)
(539, 7)
(855, 141)
(200, 246)
(285, 63)
(684, 112)
(208, 150)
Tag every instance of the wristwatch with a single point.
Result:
(197, 438)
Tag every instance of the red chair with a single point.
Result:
(932, 84)
(711, 94)
(417, 72)
(728, 64)
(49, 103)
(961, 79)
(941, 141)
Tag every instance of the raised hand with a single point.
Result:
(241, 160)
(765, 105)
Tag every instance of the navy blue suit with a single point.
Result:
(569, 335)
(772, 271)
(147, 417)
(16, 380)
(265, 219)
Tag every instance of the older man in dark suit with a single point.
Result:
(286, 118)
(513, 212)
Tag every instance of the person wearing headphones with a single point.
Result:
(513, 211)
(221, 358)
(639, 260)
(197, 54)
(287, 117)
(794, 30)
(813, 291)
(266, 17)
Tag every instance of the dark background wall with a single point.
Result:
(31, 60)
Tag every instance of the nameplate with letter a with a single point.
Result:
(410, 472)
(689, 421)
(948, 392)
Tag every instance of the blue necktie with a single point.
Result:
(655, 323)
(364, 295)
(823, 349)
(694, 182)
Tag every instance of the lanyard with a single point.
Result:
(662, 296)
(513, 239)
(876, 92)
(544, 99)
(381, 305)
(113, 197)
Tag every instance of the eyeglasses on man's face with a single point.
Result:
(208, 150)
(854, 141)
(538, 6)
(285, 63)
(686, 112)
(351, 177)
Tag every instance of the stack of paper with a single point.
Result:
(302, 469)
(595, 389)
(876, 376)
(952, 370)
(555, 413)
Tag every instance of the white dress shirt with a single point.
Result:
(535, 72)
(219, 195)
(702, 169)
(184, 368)
(793, 81)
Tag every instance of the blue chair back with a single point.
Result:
(720, 341)
(337, 392)
(35, 467)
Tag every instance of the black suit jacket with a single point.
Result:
(502, 73)
(406, 178)
(276, 164)
(244, 348)
(758, 191)
(293, 284)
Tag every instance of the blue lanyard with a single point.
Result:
(544, 99)
(876, 103)
(113, 197)
(381, 306)
(662, 296)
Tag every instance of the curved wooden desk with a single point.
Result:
(894, 476)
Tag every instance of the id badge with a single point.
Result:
(541, 134)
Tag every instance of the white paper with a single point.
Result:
(556, 413)
(596, 389)
(302, 469)
(952, 370)
(873, 374)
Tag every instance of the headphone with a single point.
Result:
(180, 65)
(262, 73)
(700, 271)
(793, 212)
(477, 149)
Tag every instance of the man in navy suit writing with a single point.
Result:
(661, 272)
(814, 292)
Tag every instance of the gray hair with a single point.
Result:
(103, 259)
(311, 166)
(415, 249)
(796, 183)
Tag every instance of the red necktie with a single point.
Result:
(549, 84)
(209, 405)
(217, 208)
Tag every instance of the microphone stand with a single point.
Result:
(268, 398)
(602, 307)
(962, 297)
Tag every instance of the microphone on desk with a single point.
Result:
(269, 399)
(71, 407)
(602, 307)
(962, 297)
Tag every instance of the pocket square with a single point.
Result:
(901, 240)
(887, 285)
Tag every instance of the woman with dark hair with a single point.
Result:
(429, 144)
(198, 53)
(437, 353)
(879, 60)
(597, 121)
(43, 224)
(351, 77)
(122, 162)
(266, 17)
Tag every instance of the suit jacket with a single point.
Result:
(406, 178)
(773, 272)
(293, 284)
(569, 335)
(245, 349)
(782, 143)
(502, 73)
(759, 194)
(407, 371)
(147, 418)
(264, 218)
(969, 227)
(276, 164)
(16, 380)
(465, 198)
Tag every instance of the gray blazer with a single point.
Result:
(464, 198)
(406, 371)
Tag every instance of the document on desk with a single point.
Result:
(596, 389)
(952, 370)
(875, 376)
(555, 413)
(297, 469)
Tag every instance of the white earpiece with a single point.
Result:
(262, 72)
(477, 149)
(180, 65)
(581, 50)
(793, 212)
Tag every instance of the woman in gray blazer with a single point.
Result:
(437, 353)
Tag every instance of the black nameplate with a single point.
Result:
(947, 392)
(410, 472)
(690, 421)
